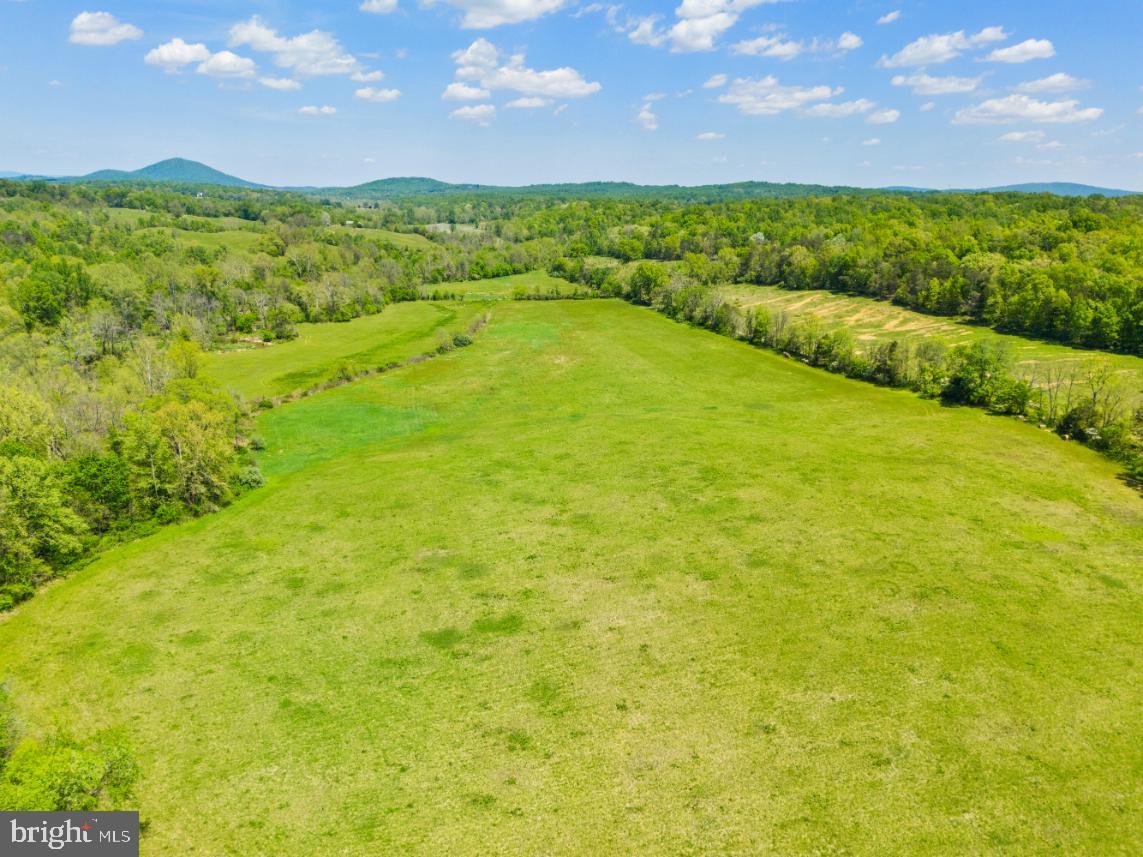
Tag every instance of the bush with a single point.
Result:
(251, 477)
(461, 340)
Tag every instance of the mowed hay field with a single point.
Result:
(873, 322)
(602, 583)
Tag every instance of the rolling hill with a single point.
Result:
(187, 172)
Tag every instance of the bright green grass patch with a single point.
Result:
(500, 288)
(874, 321)
(398, 332)
(239, 241)
(603, 583)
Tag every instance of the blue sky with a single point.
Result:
(866, 92)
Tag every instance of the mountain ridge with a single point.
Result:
(187, 172)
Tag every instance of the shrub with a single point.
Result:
(461, 340)
(251, 477)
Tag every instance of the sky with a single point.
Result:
(869, 93)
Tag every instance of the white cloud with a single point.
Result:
(378, 7)
(101, 28)
(873, 141)
(1061, 82)
(710, 135)
(483, 14)
(646, 31)
(226, 64)
(654, 96)
(699, 34)
(313, 110)
(890, 17)
(528, 103)
(282, 84)
(463, 92)
(767, 97)
(841, 109)
(927, 106)
(1022, 137)
(311, 54)
(939, 48)
(1032, 49)
(367, 76)
(716, 81)
(884, 117)
(1017, 108)
(480, 62)
(173, 55)
(701, 22)
(925, 84)
(647, 118)
(481, 114)
(779, 46)
(377, 96)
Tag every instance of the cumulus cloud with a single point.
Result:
(311, 54)
(768, 97)
(841, 110)
(227, 65)
(873, 141)
(647, 118)
(481, 114)
(173, 55)
(378, 7)
(889, 18)
(480, 62)
(367, 76)
(1032, 49)
(1018, 108)
(710, 135)
(1061, 82)
(528, 103)
(313, 110)
(715, 81)
(940, 48)
(925, 84)
(463, 92)
(483, 14)
(282, 84)
(927, 106)
(377, 96)
(883, 117)
(101, 29)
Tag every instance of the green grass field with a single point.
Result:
(603, 583)
(873, 321)
(501, 288)
(400, 331)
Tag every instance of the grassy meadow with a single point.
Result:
(872, 321)
(604, 583)
(403, 330)
(501, 288)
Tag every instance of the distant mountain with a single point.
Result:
(184, 172)
(1057, 188)
(170, 171)
(1062, 189)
